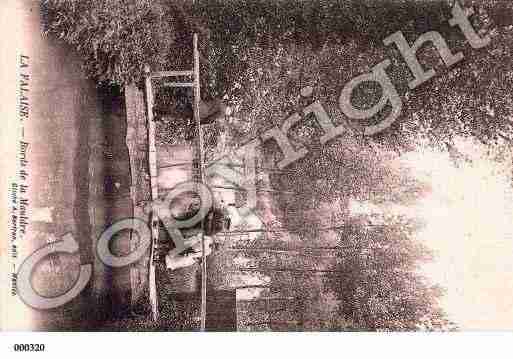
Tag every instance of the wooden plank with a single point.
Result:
(268, 190)
(159, 74)
(136, 140)
(179, 84)
(152, 272)
(197, 99)
(152, 159)
(179, 164)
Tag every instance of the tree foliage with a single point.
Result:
(379, 285)
(322, 43)
(377, 280)
(115, 38)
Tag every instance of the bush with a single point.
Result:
(115, 38)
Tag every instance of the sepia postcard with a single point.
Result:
(256, 166)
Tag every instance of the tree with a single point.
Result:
(379, 285)
(312, 42)
(376, 276)
(115, 38)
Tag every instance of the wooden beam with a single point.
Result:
(235, 188)
(197, 99)
(160, 74)
(292, 270)
(152, 159)
(179, 84)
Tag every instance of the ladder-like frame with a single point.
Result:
(152, 159)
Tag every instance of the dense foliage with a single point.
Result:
(115, 38)
(322, 43)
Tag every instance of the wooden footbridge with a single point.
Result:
(229, 302)
(154, 171)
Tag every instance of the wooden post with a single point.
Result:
(197, 99)
(152, 160)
